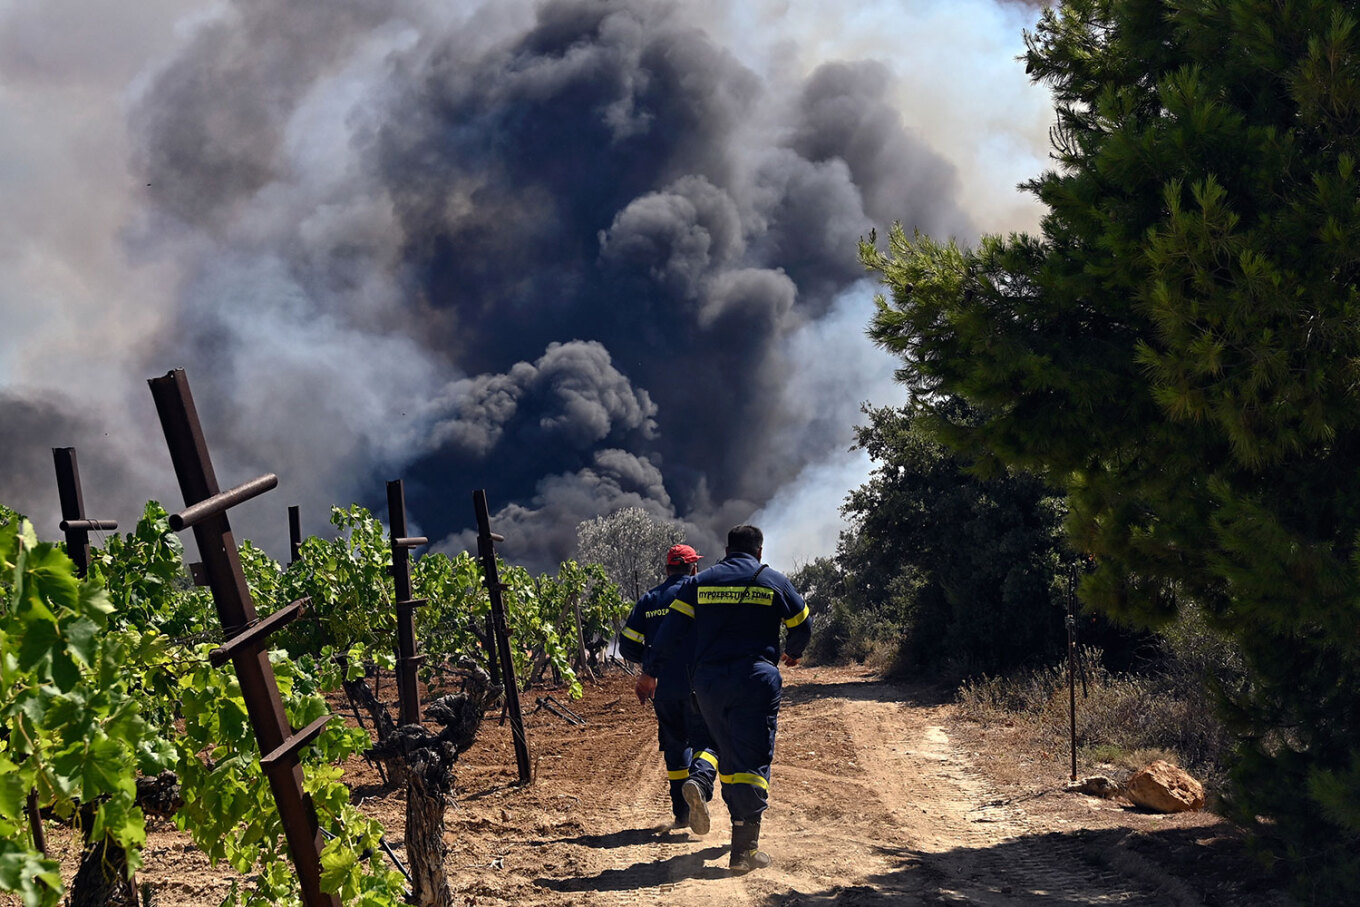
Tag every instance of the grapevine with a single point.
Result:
(71, 728)
(94, 699)
(107, 678)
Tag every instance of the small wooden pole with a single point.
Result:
(73, 521)
(1072, 663)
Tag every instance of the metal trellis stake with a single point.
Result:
(294, 534)
(408, 694)
(73, 520)
(486, 550)
(493, 662)
(77, 529)
(1072, 662)
(206, 513)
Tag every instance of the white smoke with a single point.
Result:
(836, 364)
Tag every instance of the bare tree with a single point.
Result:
(631, 545)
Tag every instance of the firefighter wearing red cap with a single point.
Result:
(690, 756)
(736, 610)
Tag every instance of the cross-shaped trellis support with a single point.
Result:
(74, 523)
(206, 513)
(77, 528)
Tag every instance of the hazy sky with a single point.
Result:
(583, 254)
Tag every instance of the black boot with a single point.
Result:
(745, 854)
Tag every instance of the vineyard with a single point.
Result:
(110, 684)
(292, 734)
(240, 731)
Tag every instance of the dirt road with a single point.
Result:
(881, 796)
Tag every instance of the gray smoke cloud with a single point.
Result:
(29, 469)
(572, 396)
(582, 254)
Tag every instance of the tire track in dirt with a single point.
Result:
(645, 871)
(871, 804)
(973, 847)
(671, 866)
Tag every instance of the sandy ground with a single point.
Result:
(880, 796)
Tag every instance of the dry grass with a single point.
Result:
(1123, 721)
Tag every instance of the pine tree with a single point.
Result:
(1179, 350)
(963, 570)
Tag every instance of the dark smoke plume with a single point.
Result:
(579, 253)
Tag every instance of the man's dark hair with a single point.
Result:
(746, 539)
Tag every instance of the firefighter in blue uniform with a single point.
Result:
(690, 756)
(736, 609)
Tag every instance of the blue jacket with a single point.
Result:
(736, 609)
(636, 642)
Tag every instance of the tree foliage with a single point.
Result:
(1178, 352)
(954, 570)
(630, 544)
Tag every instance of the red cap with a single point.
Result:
(681, 554)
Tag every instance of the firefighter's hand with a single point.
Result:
(645, 687)
(789, 660)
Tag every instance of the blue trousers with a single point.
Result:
(740, 703)
(687, 747)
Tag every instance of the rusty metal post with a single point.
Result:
(77, 530)
(279, 746)
(73, 521)
(493, 663)
(486, 550)
(408, 693)
(34, 810)
(294, 534)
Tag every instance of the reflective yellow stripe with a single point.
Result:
(745, 778)
(678, 605)
(634, 635)
(736, 595)
(680, 774)
(797, 618)
(709, 758)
